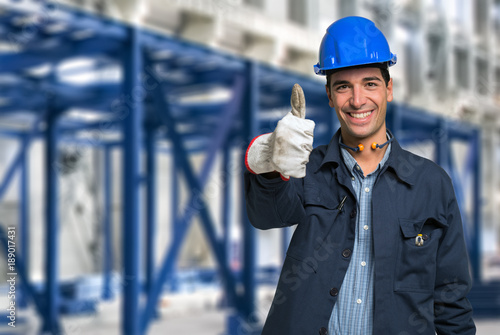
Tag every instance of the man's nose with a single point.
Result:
(358, 99)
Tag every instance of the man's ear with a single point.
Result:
(389, 91)
(328, 93)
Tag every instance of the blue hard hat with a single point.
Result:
(353, 41)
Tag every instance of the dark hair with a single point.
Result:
(384, 69)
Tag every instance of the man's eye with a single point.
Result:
(371, 84)
(341, 87)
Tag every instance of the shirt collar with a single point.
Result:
(397, 160)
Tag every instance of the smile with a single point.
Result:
(360, 115)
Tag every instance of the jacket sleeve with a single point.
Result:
(452, 310)
(273, 203)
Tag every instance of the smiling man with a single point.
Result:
(378, 246)
(359, 96)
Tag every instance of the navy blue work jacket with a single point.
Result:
(418, 289)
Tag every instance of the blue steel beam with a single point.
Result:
(394, 119)
(107, 292)
(472, 167)
(226, 200)
(24, 216)
(16, 134)
(41, 15)
(71, 126)
(461, 131)
(132, 67)
(67, 95)
(460, 195)
(19, 158)
(249, 260)
(17, 62)
(196, 204)
(7, 179)
(406, 137)
(174, 216)
(151, 201)
(190, 53)
(476, 242)
(442, 146)
(52, 298)
(21, 270)
(418, 118)
(174, 194)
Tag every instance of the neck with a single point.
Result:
(368, 155)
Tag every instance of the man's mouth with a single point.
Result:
(360, 115)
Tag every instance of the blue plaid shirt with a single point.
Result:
(353, 312)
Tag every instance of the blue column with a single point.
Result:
(397, 121)
(24, 215)
(174, 196)
(176, 222)
(150, 206)
(476, 242)
(107, 291)
(442, 145)
(51, 311)
(226, 201)
(285, 241)
(132, 67)
(249, 235)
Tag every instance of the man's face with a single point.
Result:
(360, 98)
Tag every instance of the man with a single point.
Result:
(379, 246)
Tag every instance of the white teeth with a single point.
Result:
(360, 115)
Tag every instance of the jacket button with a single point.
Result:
(323, 331)
(334, 292)
(346, 253)
(353, 213)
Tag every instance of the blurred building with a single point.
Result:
(448, 67)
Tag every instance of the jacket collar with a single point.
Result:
(399, 160)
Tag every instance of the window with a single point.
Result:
(496, 20)
(347, 7)
(255, 3)
(413, 68)
(482, 82)
(297, 11)
(437, 64)
(497, 85)
(461, 68)
(480, 17)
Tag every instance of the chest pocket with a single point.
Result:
(416, 266)
(321, 214)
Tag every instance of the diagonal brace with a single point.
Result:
(196, 204)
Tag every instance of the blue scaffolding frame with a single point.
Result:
(144, 108)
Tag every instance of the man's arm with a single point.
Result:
(274, 200)
(453, 312)
(273, 203)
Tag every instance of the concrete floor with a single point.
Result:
(213, 322)
(193, 320)
(194, 312)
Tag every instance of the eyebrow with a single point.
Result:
(345, 82)
(340, 82)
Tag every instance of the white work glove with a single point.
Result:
(287, 149)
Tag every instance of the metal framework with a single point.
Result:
(154, 102)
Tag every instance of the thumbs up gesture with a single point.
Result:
(287, 149)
